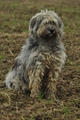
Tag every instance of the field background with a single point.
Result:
(14, 22)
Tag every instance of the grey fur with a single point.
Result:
(42, 57)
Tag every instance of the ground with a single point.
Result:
(14, 22)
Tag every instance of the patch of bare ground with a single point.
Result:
(14, 21)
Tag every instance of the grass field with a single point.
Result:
(14, 21)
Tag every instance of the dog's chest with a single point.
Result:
(45, 56)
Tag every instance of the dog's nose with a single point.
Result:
(52, 30)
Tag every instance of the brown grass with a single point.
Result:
(14, 22)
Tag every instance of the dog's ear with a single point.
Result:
(32, 23)
(60, 23)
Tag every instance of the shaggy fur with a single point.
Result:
(42, 57)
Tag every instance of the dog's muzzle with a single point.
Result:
(51, 32)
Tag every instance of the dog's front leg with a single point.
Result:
(35, 80)
(51, 86)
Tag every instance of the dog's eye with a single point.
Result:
(51, 22)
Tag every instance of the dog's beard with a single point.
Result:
(48, 35)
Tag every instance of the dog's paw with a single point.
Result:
(15, 84)
(50, 96)
(34, 95)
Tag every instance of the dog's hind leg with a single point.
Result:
(13, 79)
(14, 82)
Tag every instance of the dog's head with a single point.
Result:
(46, 25)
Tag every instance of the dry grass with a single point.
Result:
(14, 22)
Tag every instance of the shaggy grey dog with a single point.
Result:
(42, 57)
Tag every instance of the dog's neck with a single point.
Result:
(47, 44)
